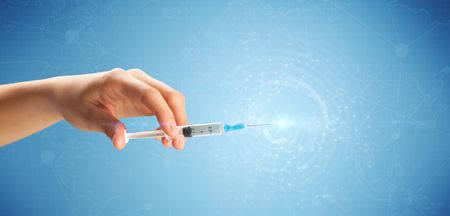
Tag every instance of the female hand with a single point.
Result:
(91, 102)
(95, 102)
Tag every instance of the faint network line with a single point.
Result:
(113, 13)
(63, 188)
(400, 115)
(358, 177)
(391, 17)
(134, 211)
(397, 98)
(111, 54)
(428, 17)
(203, 27)
(424, 34)
(24, 62)
(98, 14)
(62, 34)
(383, 69)
(432, 176)
(28, 26)
(365, 25)
(169, 183)
(340, 207)
(41, 29)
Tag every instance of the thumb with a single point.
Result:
(113, 128)
(116, 132)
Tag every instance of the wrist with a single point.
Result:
(49, 92)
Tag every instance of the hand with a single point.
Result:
(95, 102)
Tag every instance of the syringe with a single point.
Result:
(196, 130)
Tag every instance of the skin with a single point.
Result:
(91, 102)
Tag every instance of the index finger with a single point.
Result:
(175, 100)
(153, 100)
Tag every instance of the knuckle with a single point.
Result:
(149, 92)
(115, 76)
(108, 131)
(176, 97)
(117, 71)
(137, 71)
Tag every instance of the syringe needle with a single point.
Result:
(258, 125)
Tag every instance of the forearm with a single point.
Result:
(26, 108)
(90, 102)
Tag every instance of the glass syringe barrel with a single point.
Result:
(198, 130)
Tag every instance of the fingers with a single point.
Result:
(167, 104)
(177, 106)
(174, 99)
(111, 126)
(153, 99)
(118, 138)
(166, 142)
(176, 103)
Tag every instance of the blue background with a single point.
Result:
(367, 84)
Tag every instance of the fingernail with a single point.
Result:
(166, 143)
(168, 138)
(174, 128)
(169, 142)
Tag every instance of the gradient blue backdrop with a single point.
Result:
(366, 82)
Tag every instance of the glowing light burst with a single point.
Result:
(290, 149)
(283, 123)
(277, 133)
(287, 90)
